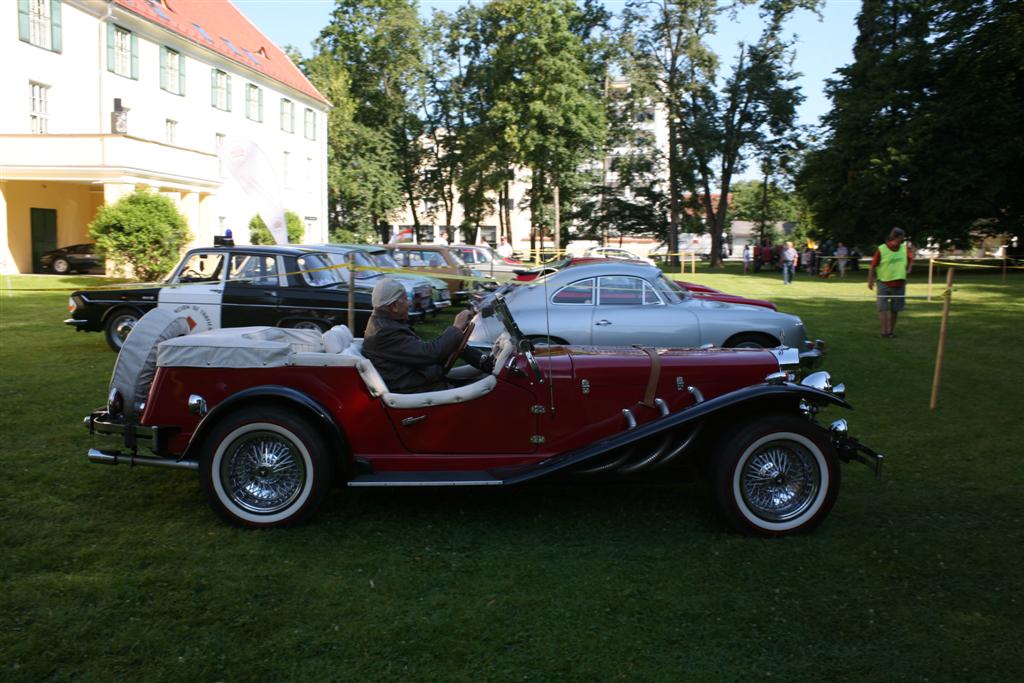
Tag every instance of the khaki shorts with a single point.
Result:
(891, 298)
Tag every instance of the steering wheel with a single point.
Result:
(460, 348)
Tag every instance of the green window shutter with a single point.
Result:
(260, 91)
(163, 68)
(213, 87)
(227, 90)
(135, 57)
(181, 74)
(24, 32)
(110, 47)
(55, 24)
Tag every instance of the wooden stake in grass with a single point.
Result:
(352, 291)
(931, 269)
(947, 295)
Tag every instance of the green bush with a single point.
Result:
(142, 230)
(259, 233)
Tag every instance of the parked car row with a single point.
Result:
(592, 301)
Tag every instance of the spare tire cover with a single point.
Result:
(136, 363)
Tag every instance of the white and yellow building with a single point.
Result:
(102, 97)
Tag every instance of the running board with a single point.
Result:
(428, 478)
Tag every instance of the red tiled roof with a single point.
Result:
(221, 20)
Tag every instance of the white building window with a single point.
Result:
(287, 116)
(253, 103)
(39, 23)
(171, 131)
(39, 109)
(122, 52)
(309, 123)
(285, 174)
(220, 90)
(172, 71)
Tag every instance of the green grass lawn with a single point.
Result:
(125, 574)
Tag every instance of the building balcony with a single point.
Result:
(107, 158)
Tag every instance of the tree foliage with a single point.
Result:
(144, 231)
(925, 127)
(260, 234)
(713, 127)
(370, 58)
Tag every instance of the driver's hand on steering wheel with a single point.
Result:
(462, 320)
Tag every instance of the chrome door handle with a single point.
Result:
(408, 421)
(602, 323)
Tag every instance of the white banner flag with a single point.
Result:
(251, 168)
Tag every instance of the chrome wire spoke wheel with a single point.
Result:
(265, 467)
(775, 475)
(780, 480)
(262, 472)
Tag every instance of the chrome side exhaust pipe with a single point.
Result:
(104, 458)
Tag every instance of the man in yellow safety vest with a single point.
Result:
(891, 264)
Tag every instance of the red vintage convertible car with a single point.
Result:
(271, 418)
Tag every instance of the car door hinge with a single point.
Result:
(537, 438)
(585, 386)
(538, 410)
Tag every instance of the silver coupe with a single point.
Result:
(622, 303)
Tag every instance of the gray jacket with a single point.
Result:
(405, 362)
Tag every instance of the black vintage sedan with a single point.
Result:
(75, 258)
(229, 287)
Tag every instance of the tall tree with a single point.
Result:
(379, 45)
(712, 129)
(858, 182)
(540, 103)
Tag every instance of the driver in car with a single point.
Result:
(406, 363)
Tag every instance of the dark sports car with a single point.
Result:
(229, 287)
(76, 258)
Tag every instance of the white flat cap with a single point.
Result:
(387, 292)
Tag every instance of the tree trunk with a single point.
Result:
(558, 222)
(674, 198)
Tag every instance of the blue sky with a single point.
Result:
(822, 46)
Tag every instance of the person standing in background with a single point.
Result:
(891, 264)
(789, 257)
(841, 253)
(746, 258)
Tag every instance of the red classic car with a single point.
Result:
(271, 418)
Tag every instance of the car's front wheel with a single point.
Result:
(775, 475)
(263, 467)
(61, 266)
(751, 340)
(119, 325)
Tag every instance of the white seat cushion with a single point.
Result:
(337, 339)
(439, 398)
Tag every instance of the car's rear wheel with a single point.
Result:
(775, 475)
(61, 265)
(751, 340)
(119, 325)
(265, 467)
(305, 325)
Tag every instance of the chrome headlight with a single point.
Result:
(820, 380)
